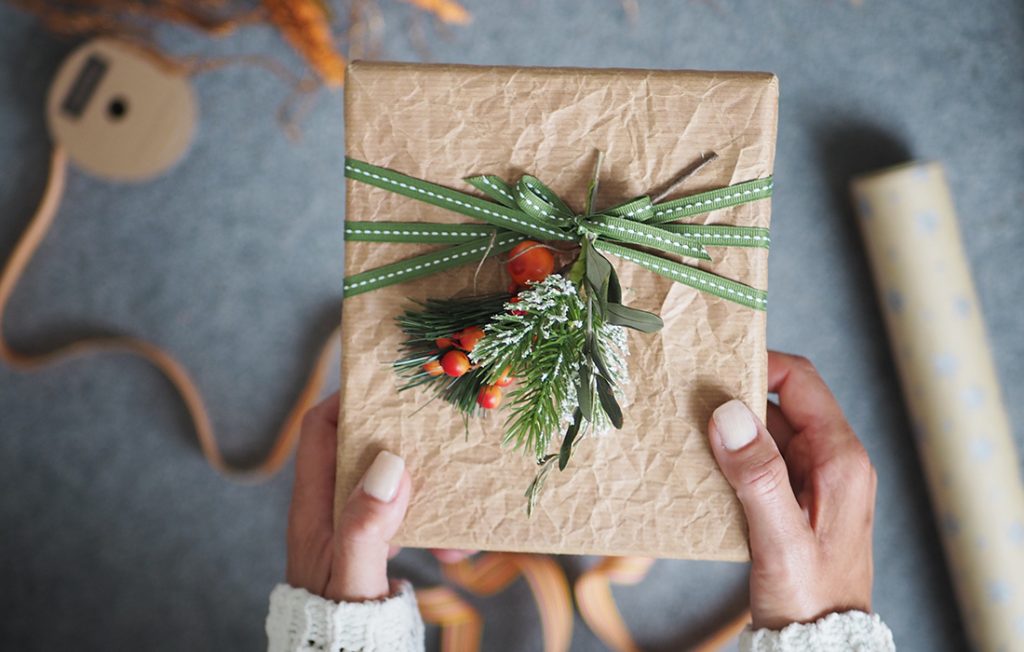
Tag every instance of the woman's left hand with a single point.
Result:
(348, 563)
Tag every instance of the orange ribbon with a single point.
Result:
(491, 573)
(173, 370)
(596, 604)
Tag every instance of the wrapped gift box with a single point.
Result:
(651, 488)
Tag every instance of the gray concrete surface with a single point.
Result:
(114, 534)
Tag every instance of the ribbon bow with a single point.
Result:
(532, 210)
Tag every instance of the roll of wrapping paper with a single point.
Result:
(961, 427)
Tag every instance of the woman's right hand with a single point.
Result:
(808, 490)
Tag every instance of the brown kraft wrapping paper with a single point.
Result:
(652, 488)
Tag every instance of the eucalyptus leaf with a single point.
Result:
(602, 301)
(585, 392)
(579, 266)
(570, 437)
(641, 320)
(608, 402)
(598, 268)
(614, 289)
(598, 360)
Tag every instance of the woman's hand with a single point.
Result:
(348, 563)
(808, 491)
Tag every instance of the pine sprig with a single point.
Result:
(558, 342)
(436, 319)
(540, 340)
(443, 317)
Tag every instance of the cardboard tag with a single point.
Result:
(119, 112)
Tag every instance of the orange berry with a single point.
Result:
(443, 343)
(505, 379)
(469, 337)
(455, 363)
(433, 368)
(489, 397)
(530, 261)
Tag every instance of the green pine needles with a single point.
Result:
(542, 340)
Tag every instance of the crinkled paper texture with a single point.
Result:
(652, 488)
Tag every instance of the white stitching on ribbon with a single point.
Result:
(454, 201)
(735, 236)
(417, 233)
(649, 236)
(497, 187)
(445, 259)
(693, 277)
(715, 200)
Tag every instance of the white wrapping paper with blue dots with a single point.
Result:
(960, 424)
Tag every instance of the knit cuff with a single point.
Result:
(853, 631)
(299, 621)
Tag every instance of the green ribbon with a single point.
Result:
(530, 209)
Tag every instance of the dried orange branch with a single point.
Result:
(448, 11)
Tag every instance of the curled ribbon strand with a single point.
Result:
(491, 573)
(530, 209)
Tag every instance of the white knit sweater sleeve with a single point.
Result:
(852, 631)
(299, 621)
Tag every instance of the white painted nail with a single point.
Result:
(383, 477)
(735, 425)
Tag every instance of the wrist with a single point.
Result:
(360, 575)
(801, 610)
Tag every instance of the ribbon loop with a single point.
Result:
(537, 201)
(495, 188)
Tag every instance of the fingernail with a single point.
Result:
(735, 425)
(383, 477)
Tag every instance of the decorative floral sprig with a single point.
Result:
(541, 340)
(560, 338)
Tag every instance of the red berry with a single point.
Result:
(505, 379)
(530, 261)
(489, 397)
(518, 313)
(455, 363)
(433, 368)
(443, 343)
(469, 337)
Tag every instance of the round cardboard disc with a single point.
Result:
(119, 113)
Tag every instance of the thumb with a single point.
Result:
(752, 464)
(368, 521)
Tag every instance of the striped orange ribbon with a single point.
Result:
(38, 226)
(491, 573)
(597, 605)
